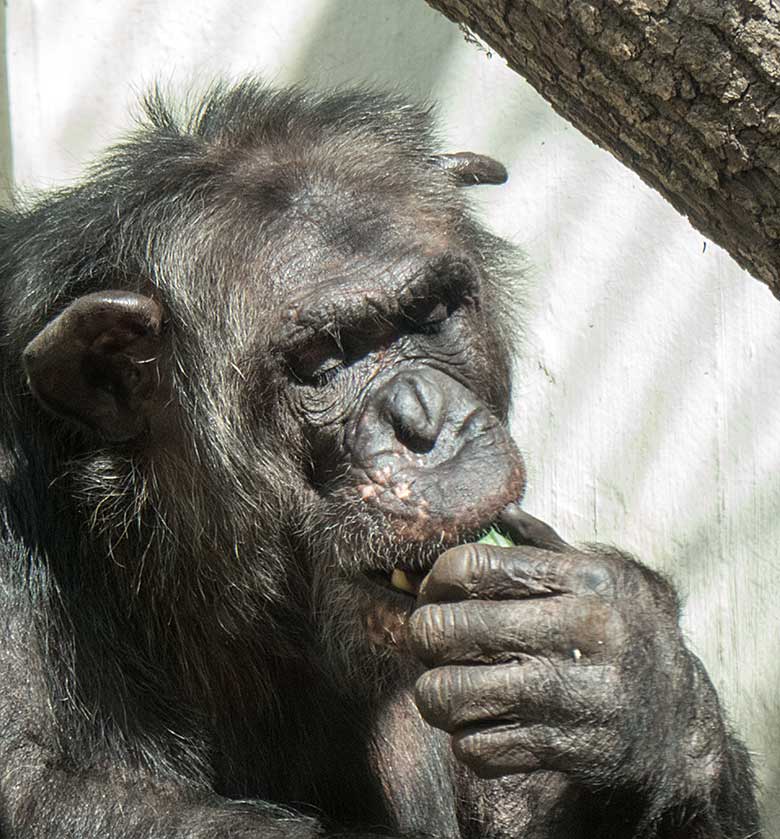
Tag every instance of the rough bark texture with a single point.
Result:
(684, 92)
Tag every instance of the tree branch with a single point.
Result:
(684, 92)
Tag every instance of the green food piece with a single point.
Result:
(493, 537)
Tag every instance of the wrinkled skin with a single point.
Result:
(538, 659)
(256, 385)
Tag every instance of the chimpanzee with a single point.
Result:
(255, 374)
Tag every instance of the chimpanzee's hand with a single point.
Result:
(543, 656)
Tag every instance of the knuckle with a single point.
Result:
(599, 573)
(429, 627)
(433, 694)
(463, 564)
(642, 589)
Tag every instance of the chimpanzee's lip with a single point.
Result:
(404, 572)
(421, 509)
(387, 611)
(404, 578)
(393, 590)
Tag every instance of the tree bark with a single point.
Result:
(684, 92)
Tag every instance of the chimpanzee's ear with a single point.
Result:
(95, 363)
(469, 169)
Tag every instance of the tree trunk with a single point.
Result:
(684, 92)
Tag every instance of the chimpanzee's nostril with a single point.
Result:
(416, 409)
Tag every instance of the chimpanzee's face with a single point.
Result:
(333, 367)
(400, 386)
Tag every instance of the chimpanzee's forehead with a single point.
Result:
(328, 224)
(337, 247)
(351, 207)
(281, 228)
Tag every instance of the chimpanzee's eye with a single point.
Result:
(431, 321)
(327, 370)
(317, 363)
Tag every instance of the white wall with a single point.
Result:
(6, 158)
(649, 397)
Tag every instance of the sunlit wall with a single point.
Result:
(648, 396)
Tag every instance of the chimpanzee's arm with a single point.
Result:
(47, 794)
(62, 805)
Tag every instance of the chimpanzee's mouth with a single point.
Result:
(392, 592)
(388, 605)
(392, 597)
(396, 586)
(400, 581)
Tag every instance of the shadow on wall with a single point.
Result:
(6, 152)
(377, 38)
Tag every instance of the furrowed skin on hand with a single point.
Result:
(543, 657)
(256, 380)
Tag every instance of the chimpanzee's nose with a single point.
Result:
(416, 406)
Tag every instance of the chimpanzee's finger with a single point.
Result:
(524, 529)
(486, 572)
(477, 631)
(491, 751)
(532, 691)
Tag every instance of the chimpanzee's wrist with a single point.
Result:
(704, 789)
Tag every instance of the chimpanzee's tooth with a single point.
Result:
(401, 580)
